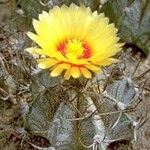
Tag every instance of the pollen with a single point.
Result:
(75, 47)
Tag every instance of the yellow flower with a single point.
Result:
(74, 40)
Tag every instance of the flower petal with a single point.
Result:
(35, 50)
(59, 69)
(107, 62)
(86, 73)
(33, 37)
(67, 74)
(75, 72)
(93, 68)
(45, 63)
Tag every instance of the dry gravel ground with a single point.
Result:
(143, 109)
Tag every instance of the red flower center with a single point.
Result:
(81, 48)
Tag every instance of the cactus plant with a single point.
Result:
(90, 120)
(75, 114)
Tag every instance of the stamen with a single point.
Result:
(80, 49)
(61, 47)
(87, 51)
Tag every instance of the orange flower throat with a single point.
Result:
(81, 49)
